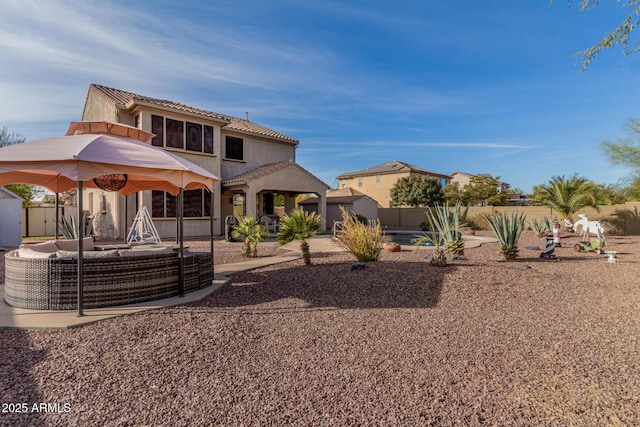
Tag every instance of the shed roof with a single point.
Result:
(341, 196)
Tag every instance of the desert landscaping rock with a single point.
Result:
(481, 341)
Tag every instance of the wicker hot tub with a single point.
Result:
(51, 283)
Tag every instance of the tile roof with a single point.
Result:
(389, 167)
(263, 170)
(128, 99)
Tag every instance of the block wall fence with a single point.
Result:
(617, 219)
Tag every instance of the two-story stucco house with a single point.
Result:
(254, 163)
(377, 181)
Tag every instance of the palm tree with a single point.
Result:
(252, 231)
(566, 196)
(299, 225)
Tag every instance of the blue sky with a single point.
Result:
(474, 86)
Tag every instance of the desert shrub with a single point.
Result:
(363, 240)
(479, 222)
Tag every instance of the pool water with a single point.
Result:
(406, 238)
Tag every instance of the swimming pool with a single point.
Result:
(406, 238)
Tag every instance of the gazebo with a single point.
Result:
(108, 156)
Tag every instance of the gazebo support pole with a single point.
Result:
(80, 235)
(180, 232)
(213, 264)
(57, 232)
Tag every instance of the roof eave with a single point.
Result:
(131, 105)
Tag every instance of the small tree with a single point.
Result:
(416, 190)
(452, 192)
(26, 191)
(252, 231)
(483, 190)
(299, 225)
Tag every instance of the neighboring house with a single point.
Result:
(10, 218)
(464, 178)
(254, 164)
(377, 181)
(352, 200)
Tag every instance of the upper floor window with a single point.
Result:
(377, 179)
(233, 148)
(359, 182)
(183, 135)
(197, 203)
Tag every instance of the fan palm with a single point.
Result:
(299, 225)
(252, 231)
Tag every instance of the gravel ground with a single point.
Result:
(480, 342)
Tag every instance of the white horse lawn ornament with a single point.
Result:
(589, 227)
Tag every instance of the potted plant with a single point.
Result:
(392, 247)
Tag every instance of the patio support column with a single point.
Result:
(179, 214)
(322, 211)
(251, 202)
(80, 235)
(289, 202)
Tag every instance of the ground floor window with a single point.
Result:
(197, 203)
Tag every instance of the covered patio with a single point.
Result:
(254, 191)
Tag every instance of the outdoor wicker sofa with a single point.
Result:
(109, 280)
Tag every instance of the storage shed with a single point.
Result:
(10, 218)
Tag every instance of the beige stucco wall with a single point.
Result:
(617, 219)
(461, 179)
(256, 152)
(378, 191)
(96, 109)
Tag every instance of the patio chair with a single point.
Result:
(271, 224)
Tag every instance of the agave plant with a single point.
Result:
(435, 239)
(543, 227)
(507, 230)
(448, 224)
(252, 232)
(69, 229)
